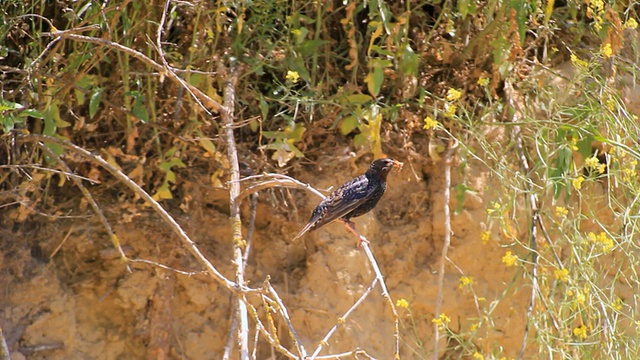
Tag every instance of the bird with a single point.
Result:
(355, 198)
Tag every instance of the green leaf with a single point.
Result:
(300, 35)
(558, 172)
(374, 81)
(310, 47)
(167, 165)
(7, 122)
(270, 134)
(410, 62)
(297, 64)
(83, 83)
(584, 146)
(349, 124)
(264, 108)
(8, 105)
(31, 112)
(163, 192)
(298, 131)
(358, 99)
(381, 63)
(94, 101)
(460, 192)
(50, 127)
(360, 140)
(463, 8)
(139, 109)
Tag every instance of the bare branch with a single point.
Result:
(285, 315)
(206, 102)
(239, 244)
(190, 245)
(94, 205)
(341, 320)
(445, 245)
(276, 180)
(4, 348)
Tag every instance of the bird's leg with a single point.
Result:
(352, 228)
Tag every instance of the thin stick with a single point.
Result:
(206, 102)
(276, 180)
(4, 348)
(227, 114)
(270, 338)
(285, 315)
(38, 167)
(94, 205)
(445, 248)
(55, 251)
(341, 320)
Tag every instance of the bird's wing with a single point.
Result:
(344, 200)
(339, 203)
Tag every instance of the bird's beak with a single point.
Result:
(397, 165)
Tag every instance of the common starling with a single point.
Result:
(356, 197)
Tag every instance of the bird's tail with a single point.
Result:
(304, 230)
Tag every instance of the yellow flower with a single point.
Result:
(402, 303)
(629, 172)
(477, 355)
(574, 144)
(577, 183)
(631, 23)
(293, 76)
(474, 327)
(603, 240)
(561, 275)
(597, 23)
(450, 110)
(484, 237)
(429, 123)
(561, 211)
(483, 81)
(580, 331)
(597, 5)
(594, 164)
(509, 259)
(617, 304)
(577, 62)
(441, 320)
(591, 162)
(465, 281)
(606, 50)
(580, 297)
(611, 104)
(496, 207)
(453, 94)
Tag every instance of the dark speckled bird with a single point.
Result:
(356, 197)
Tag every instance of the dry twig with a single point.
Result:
(205, 102)
(227, 114)
(445, 246)
(4, 348)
